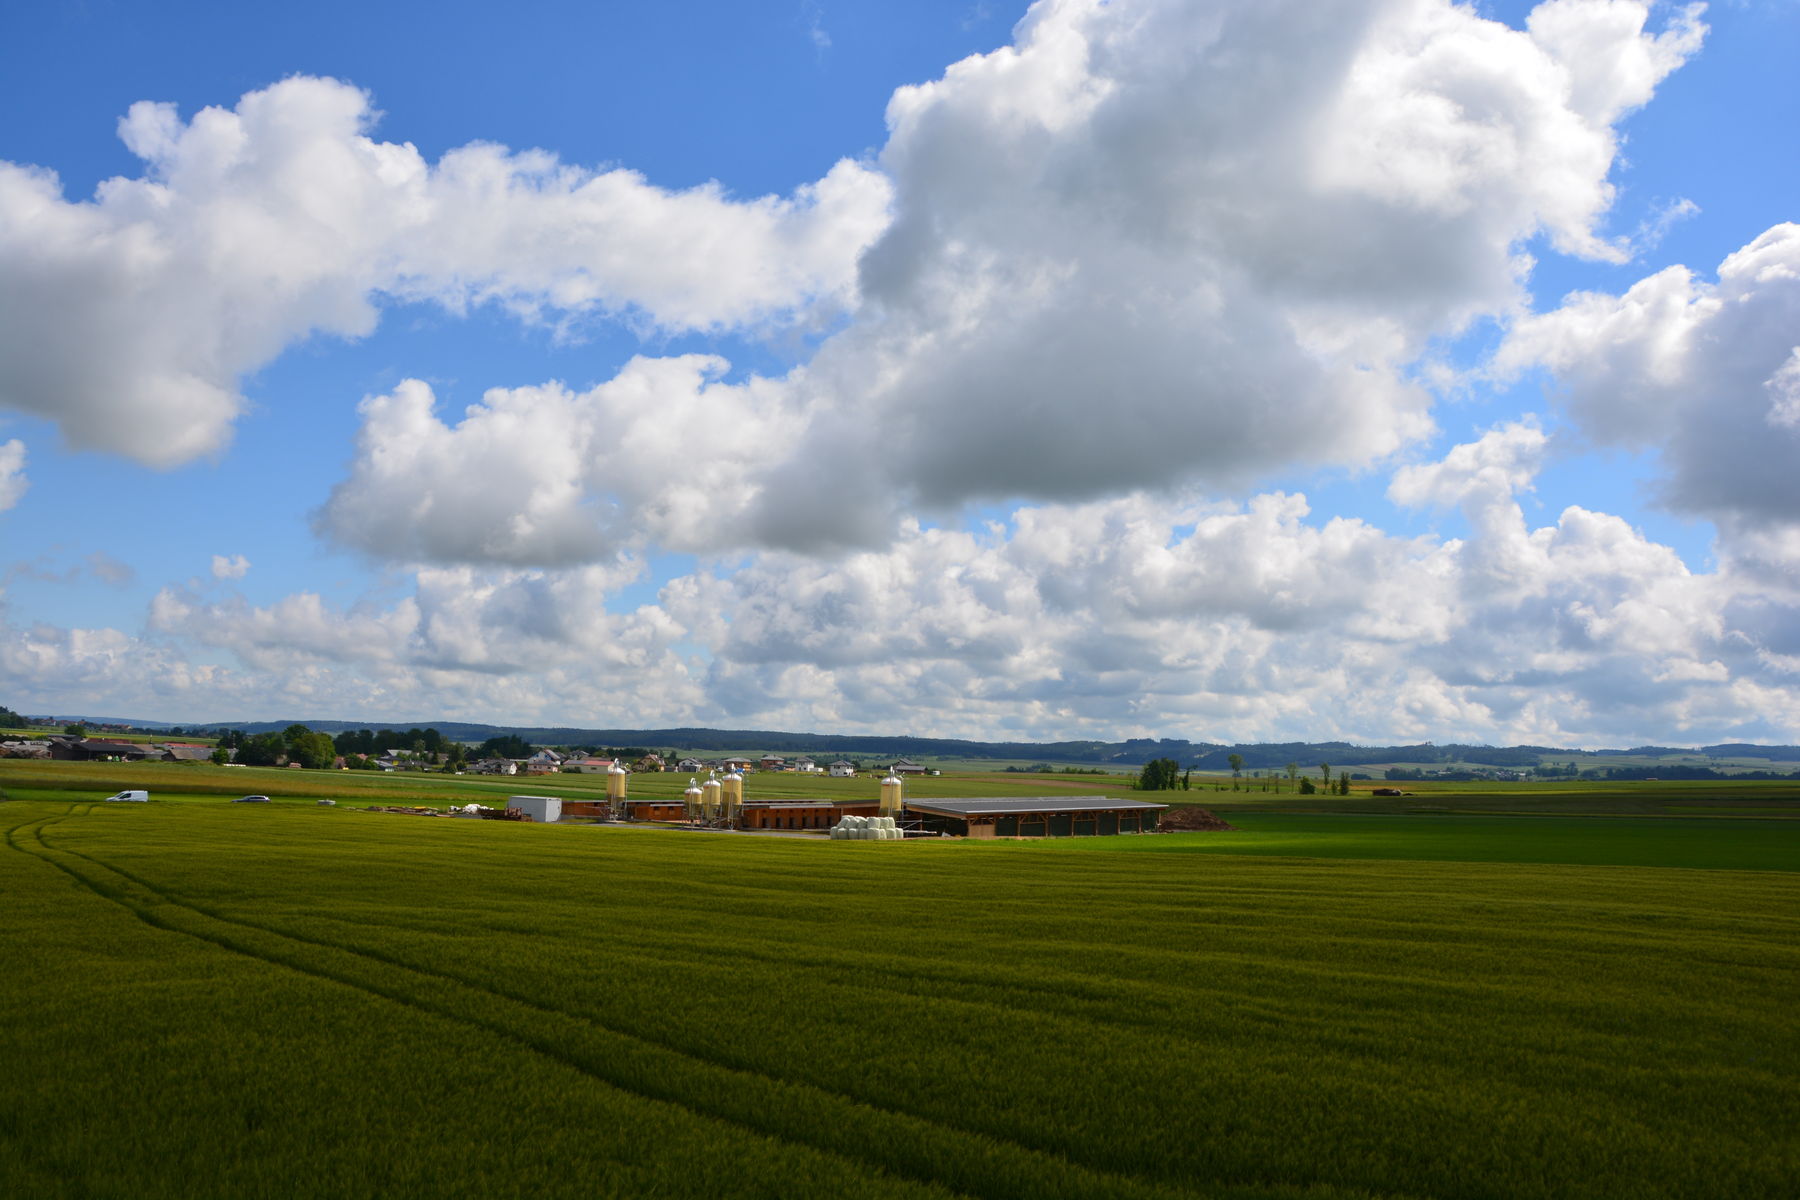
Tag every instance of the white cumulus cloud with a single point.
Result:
(130, 319)
(12, 473)
(1702, 373)
(1143, 247)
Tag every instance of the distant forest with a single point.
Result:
(1133, 752)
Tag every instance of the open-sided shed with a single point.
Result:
(1036, 816)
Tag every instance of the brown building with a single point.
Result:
(1036, 816)
(803, 814)
(663, 809)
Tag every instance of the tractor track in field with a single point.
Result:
(145, 912)
(1076, 1179)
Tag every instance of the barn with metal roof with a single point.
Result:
(1035, 816)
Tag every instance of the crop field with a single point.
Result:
(202, 999)
(1587, 841)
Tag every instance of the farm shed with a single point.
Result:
(665, 809)
(538, 808)
(1036, 816)
(802, 814)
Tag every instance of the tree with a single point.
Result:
(1325, 774)
(1185, 776)
(262, 750)
(313, 751)
(10, 719)
(75, 729)
(1237, 768)
(221, 756)
(1159, 775)
(1293, 774)
(507, 745)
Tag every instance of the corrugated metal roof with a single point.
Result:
(1027, 804)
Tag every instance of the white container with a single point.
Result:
(538, 808)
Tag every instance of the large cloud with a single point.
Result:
(1705, 374)
(548, 476)
(131, 318)
(12, 473)
(1142, 615)
(1145, 246)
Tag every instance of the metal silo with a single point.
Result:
(890, 795)
(734, 796)
(615, 788)
(712, 798)
(692, 799)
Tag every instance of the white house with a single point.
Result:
(842, 770)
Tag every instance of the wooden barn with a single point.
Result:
(662, 809)
(1036, 816)
(803, 814)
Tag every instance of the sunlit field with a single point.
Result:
(207, 999)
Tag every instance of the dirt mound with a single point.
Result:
(1184, 819)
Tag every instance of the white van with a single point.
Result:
(133, 795)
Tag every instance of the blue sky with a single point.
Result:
(1067, 377)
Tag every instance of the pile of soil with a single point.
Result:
(1184, 819)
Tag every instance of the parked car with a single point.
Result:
(132, 795)
(251, 800)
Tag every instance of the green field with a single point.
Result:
(1586, 841)
(204, 999)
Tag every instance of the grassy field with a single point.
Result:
(204, 1000)
(1587, 841)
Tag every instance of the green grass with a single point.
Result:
(1589, 841)
(210, 1000)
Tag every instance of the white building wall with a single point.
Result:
(538, 808)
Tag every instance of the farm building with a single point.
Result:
(1036, 816)
(664, 809)
(803, 814)
(538, 808)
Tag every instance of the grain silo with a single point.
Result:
(693, 799)
(734, 796)
(891, 800)
(712, 798)
(616, 776)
